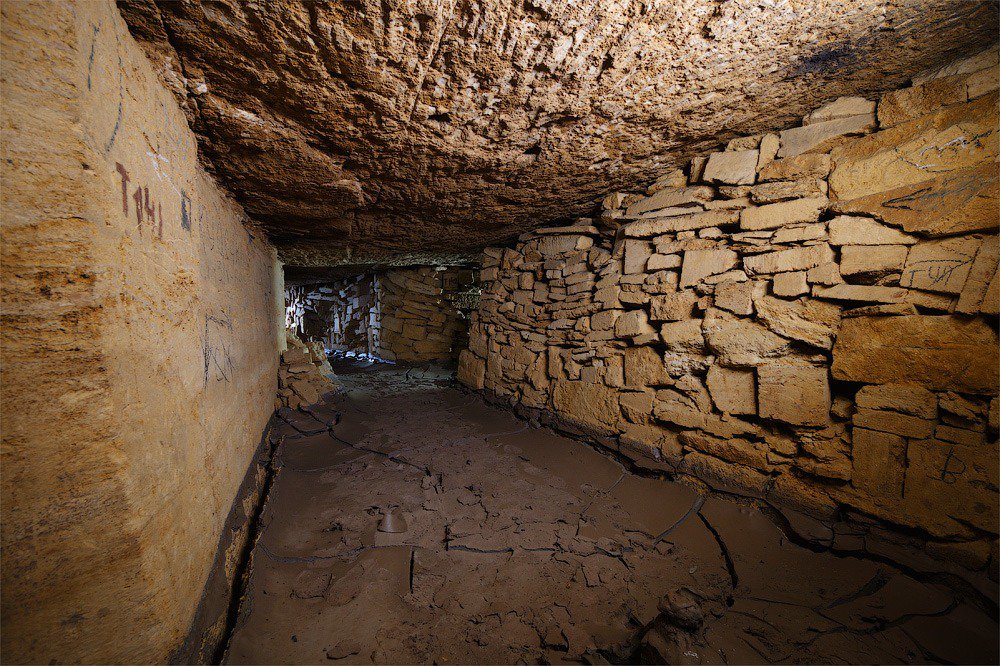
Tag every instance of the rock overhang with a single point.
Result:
(395, 133)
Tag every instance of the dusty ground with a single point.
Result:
(521, 545)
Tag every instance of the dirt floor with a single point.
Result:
(410, 522)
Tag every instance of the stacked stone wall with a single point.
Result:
(421, 314)
(807, 317)
(336, 313)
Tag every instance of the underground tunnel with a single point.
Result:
(644, 331)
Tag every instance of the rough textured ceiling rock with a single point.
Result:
(399, 130)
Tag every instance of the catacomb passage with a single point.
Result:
(646, 331)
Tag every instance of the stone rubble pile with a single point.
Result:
(807, 317)
(420, 314)
(304, 375)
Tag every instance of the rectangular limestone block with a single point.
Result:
(906, 104)
(821, 137)
(658, 226)
(699, 264)
(733, 391)
(936, 352)
(593, 406)
(941, 265)
(792, 259)
(842, 107)
(796, 394)
(946, 480)
(672, 307)
(868, 259)
(852, 230)
(785, 213)
(810, 165)
(732, 167)
(981, 292)
(670, 197)
(879, 464)
(904, 398)
(903, 425)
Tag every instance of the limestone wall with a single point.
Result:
(139, 349)
(807, 317)
(420, 313)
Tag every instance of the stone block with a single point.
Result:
(810, 321)
(699, 264)
(644, 367)
(785, 190)
(637, 252)
(732, 167)
(593, 406)
(633, 323)
(733, 391)
(792, 259)
(796, 168)
(741, 343)
(785, 213)
(861, 293)
(842, 107)
(872, 259)
(820, 137)
(878, 464)
(941, 265)
(672, 307)
(670, 197)
(937, 352)
(659, 262)
(795, 394)
(904, 398)
(735, 297)
(896, 423)
(790, 284)
(683, 336)
(947, 482)
(769, 145)
(800, 233)
(700, 220)
(851, 230)
(981, 292)
(637, 406)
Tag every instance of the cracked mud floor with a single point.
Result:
(523, 546)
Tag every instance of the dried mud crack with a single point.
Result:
(513, 544)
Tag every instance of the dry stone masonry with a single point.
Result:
(338, 312)
(304, 376)
(808, 317)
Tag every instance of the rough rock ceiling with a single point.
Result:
(366, 131)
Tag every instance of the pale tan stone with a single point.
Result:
(795, 394)
(940, 266)
(938, 352)
(644, 367)
(810, 321)
(471, 370)
(637, 252)
(742, 343)
(842, 107)
(809, 165)
(792, 259)
(659, 226)
(660, 262)
(769, 145)
(593, 406)
(672, 307)
(773, 216)
(683, 336)
(851, 230)
(785, 190)
(732, 167)
(869, 259)
(613, 201)
(633, 323)
(824, 274)
(699, 264)
(733, 391)
(790, 284)
(670, 197)
(736, 297)
(637, 406)
(820, 137)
